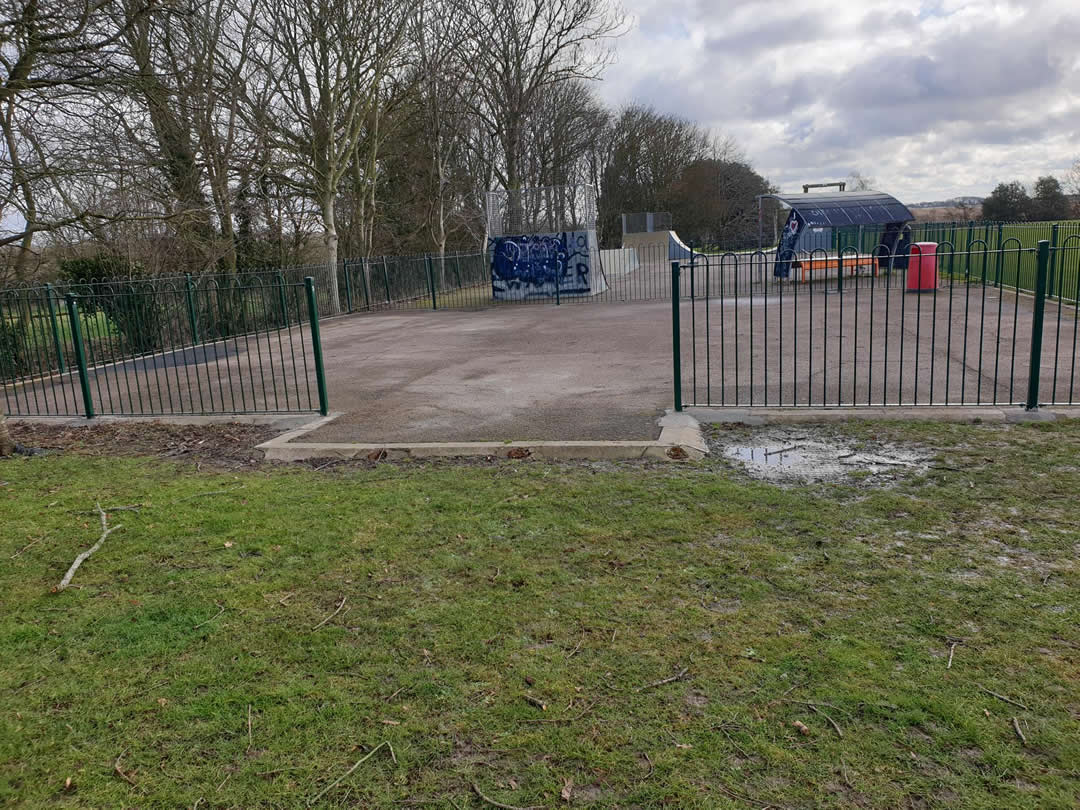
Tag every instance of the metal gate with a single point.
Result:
(997, 327)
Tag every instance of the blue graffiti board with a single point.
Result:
(542, 264)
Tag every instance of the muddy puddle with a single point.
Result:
(806, 454)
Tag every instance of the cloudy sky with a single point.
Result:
(931, 98)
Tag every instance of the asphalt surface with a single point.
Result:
(586, 372)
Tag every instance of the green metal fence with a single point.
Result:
(857, 333)
(162, 347)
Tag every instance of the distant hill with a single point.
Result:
(956, 209)
(955, 202)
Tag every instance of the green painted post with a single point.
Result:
(80, 354)
(431, 280)
(49, 293)
(189, 287)
(1053, 259)
(676, 336)
(457, 269)
(386, 279)
(1035, 367)
(316, 344)
(348, 284)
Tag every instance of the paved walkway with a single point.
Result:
(579, 371)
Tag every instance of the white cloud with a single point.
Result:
(937, 99)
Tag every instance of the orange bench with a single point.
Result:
(804, 266)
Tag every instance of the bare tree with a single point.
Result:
(321, 64)
(522, 49)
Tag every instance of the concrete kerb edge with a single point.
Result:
(680, 439)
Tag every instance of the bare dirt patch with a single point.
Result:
(223, 446)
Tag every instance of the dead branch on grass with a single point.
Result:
(200, 624)
(28, 545)
(1002, 697)
(1019, 733)
(576, 717)
(676, 677)
(106, 530)
(493, 803)
(228, 491)
(332, 615)
(348, 773)
(832, 722)
(120, 771)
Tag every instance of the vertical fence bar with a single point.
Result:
(193, 320)
(1037, 326)
(386, 279)
(49, 295)
(348, 285)
(80, 354)
(316, 345)
(1053, 259)
(365, 272)
(431, 281)
(676, 337)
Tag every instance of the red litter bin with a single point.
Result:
(922, 268)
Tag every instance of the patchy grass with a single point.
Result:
(472, 593)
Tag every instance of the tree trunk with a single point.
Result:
(330, 239)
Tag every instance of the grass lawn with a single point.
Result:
(250, 635)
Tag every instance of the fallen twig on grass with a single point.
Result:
(832, 722)
(211, 492)
(1019, 733)
(952, 649)
(106, 530)
(676, 677)
(332, 615)
(349, 772)
(120, 771)
(32, 543)
(587, 709)
(535, 702)
(1002, 697)
(200, 624)
(574, 651)
(494, 803)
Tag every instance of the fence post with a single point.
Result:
(1053, 259)
(80, 354)
(49, 293)
(1037, 326)
(192, 319)
(348, 284)
(676, 336)
(386, 279)
(431, 280)
(316, 344)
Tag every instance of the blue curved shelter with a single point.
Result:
(814, 217)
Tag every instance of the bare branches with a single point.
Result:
(106, 530)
